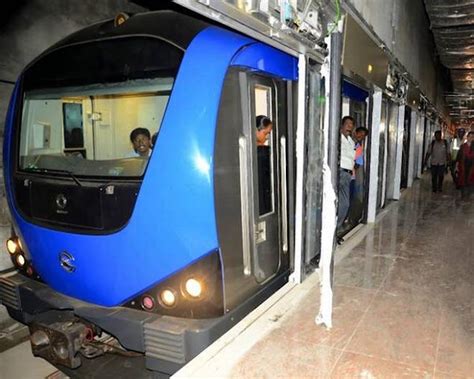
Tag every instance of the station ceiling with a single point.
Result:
(452, 23)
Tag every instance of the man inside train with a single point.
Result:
(141, 141)
(356, 207)
(359, 136)
(345, 171)
(264, 128)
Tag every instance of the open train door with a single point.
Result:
(317, 173)
(313, 163)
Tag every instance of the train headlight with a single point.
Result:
(168, 298)
(193, 287)
(20, 260)
(12, 246)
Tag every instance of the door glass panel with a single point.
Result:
(405, 147)
(314, 164)
(392, 149)
(264, 137)
(262, 100)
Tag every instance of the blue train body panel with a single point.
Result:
(173, 223)
(263, 58)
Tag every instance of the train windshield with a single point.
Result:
(83, 103)
(94, 130)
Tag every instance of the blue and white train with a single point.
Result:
(147, 260)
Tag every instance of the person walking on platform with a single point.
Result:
(456, 144)
(345, 170)
(440, 157)
(465, 166)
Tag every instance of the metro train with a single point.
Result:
(146, 260)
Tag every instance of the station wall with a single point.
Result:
(404, 28)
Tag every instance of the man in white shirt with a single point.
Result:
(345, 168)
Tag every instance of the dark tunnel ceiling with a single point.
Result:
(452, 23)
(9, 7)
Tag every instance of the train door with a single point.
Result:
(426, 141)
(251, 182)
(313, 164)
(267, 179)
(382, 174)
(391, 149)
(406, 147)
(355, 105)
(358, 207)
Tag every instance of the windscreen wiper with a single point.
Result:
(54, 171)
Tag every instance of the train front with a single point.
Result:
(108, 167)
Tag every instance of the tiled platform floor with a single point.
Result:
(404, 302)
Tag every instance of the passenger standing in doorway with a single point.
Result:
(465, 166)
(356, 207)
(440, 157)
(264, 128)
(345, 170)
(359, 136)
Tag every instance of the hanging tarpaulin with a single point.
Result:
(332, 72)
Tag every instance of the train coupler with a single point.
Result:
(60, 342)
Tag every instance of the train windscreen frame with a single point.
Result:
(116, 67)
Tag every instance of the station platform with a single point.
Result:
(403, 307)
(403, 304)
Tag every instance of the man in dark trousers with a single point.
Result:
(345, 172)
(440, 157)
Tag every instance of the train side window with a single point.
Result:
(265, 146)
